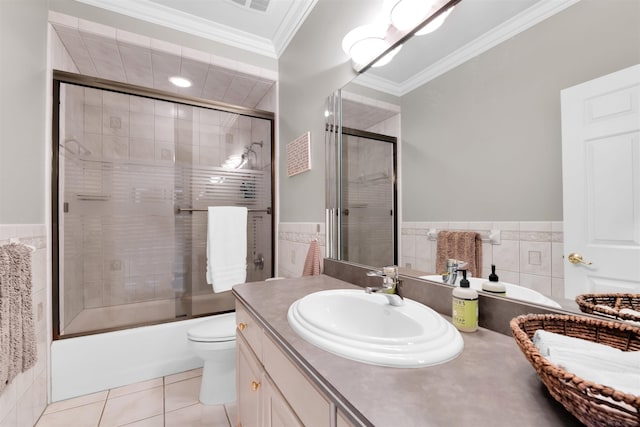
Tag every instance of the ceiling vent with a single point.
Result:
(259, 5)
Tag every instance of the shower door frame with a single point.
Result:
(63, 77)
(341, 212)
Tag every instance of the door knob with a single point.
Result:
(255, 385)
(576, 258)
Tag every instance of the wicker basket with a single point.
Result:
(593, 404)
(610, 305)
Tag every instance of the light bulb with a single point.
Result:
(180, 81)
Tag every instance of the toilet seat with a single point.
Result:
(222, 328)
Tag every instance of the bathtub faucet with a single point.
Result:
(391, 285)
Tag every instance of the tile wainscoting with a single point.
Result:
(530, 253)
(24, 399)
(294, 239)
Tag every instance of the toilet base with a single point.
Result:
(218, 382)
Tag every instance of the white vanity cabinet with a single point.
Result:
(271, 391)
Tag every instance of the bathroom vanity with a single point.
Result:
(284, 380)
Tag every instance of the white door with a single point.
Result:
(601, 183)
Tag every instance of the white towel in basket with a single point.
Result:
(591, 361)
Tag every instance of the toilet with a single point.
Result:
(214, 341)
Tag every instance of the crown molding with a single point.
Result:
(187, 23)
(292, 22)
(510, 28)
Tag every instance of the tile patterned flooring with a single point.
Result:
(170, 401)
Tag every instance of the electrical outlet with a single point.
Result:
(293, 256)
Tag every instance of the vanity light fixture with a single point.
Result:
(435, 24)
(363, 44)
(397, 20)
(180, 81)
(406, 14)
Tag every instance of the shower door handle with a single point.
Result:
(258, 263)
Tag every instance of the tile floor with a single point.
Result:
(170, 401)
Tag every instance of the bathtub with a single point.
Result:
(99, 362)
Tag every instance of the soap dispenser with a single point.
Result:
(493, 285)
(464, 308)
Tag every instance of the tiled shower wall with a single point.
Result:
(24, 399)
(294, 240)
(530, 253)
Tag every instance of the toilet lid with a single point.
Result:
(219, 328)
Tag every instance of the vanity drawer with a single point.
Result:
(310, 405)
(247, 325)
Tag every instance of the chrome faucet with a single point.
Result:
(453, 265)
(391, 285)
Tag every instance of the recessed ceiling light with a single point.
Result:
(180, 81)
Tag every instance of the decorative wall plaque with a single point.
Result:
(299, 155)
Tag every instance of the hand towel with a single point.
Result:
(625, 381)
(226, 246)
(545, 341)
(313, 262)
(18, 350)
(462, 245)
(591, 361)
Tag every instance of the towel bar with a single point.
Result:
(491, 236)
(178, 210)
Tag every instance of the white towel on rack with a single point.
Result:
(226, 247)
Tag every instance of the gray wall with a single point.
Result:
(483, 141)
(310, 69)
(23, 55)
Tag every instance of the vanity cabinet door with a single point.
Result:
(309, 404)
(249, 329)
(249, 386)
(277, 412)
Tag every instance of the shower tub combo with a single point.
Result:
(134, 171)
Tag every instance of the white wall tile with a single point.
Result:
(557, 288)
(506, 256)
(541, 284)
(24, 399)
(506, 226)
(535, 258)
(557, 260)
(409, 246)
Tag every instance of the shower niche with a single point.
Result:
(134, 173)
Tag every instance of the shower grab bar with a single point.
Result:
(178, 210)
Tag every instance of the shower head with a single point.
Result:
(238, 161)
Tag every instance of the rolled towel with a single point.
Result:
(633, 313)
(630, 311)
(618, 360)
(627, 382)
(545, 340)
(591, 361)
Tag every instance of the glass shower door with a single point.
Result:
(127, 164)
(368, 198)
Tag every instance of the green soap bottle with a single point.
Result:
(464, 307)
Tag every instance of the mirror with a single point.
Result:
(481, 136)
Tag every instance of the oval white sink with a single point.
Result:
(366, 328)
(513, 291)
